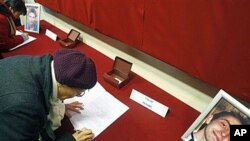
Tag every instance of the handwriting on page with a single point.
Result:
(24, 43)
(149, 103)
(101, 109)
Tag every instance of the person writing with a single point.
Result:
(217, 127)
(32, 90)
(32, 20)
(10, 10)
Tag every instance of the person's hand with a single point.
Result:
(25, 36)
(74, 106)
(83, 135)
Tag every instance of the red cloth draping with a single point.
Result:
(207, 39)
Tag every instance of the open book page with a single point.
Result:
(101, 109)
(25, 42)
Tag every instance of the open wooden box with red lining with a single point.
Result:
(70, 41)
(120, 73)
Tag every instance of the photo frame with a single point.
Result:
(222, 102)
(32, 18)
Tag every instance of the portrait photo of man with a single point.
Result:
(217, 127)
(32, 23)
(214, 122)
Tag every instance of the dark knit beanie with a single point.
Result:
(74, 69)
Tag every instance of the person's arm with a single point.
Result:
(7, 42)
(19, 122)
(24, 122)
(80, 135)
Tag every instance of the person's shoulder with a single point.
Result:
(3, 19)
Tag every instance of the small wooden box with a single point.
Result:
(70, 41)
(120, 73)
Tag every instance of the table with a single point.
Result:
(138, 123)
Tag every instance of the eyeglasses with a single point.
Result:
(80, 93)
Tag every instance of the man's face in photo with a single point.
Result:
(219, 129)
(32, 18)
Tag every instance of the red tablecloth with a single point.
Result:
(138, 123)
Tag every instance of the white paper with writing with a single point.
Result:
(101, 109)
(149, 103)
(51, 34)
(23, 43)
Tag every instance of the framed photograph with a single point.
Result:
(214, 122)
(32, 18)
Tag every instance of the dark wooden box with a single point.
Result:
(70, 41)
(120, 73)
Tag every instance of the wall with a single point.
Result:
(207, 39)
(174, 86)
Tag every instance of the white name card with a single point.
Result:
(51, 34)
(149, 103)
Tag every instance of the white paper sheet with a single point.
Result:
(51, 34)
(149, 103)
(101, 109)
(25, 42)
